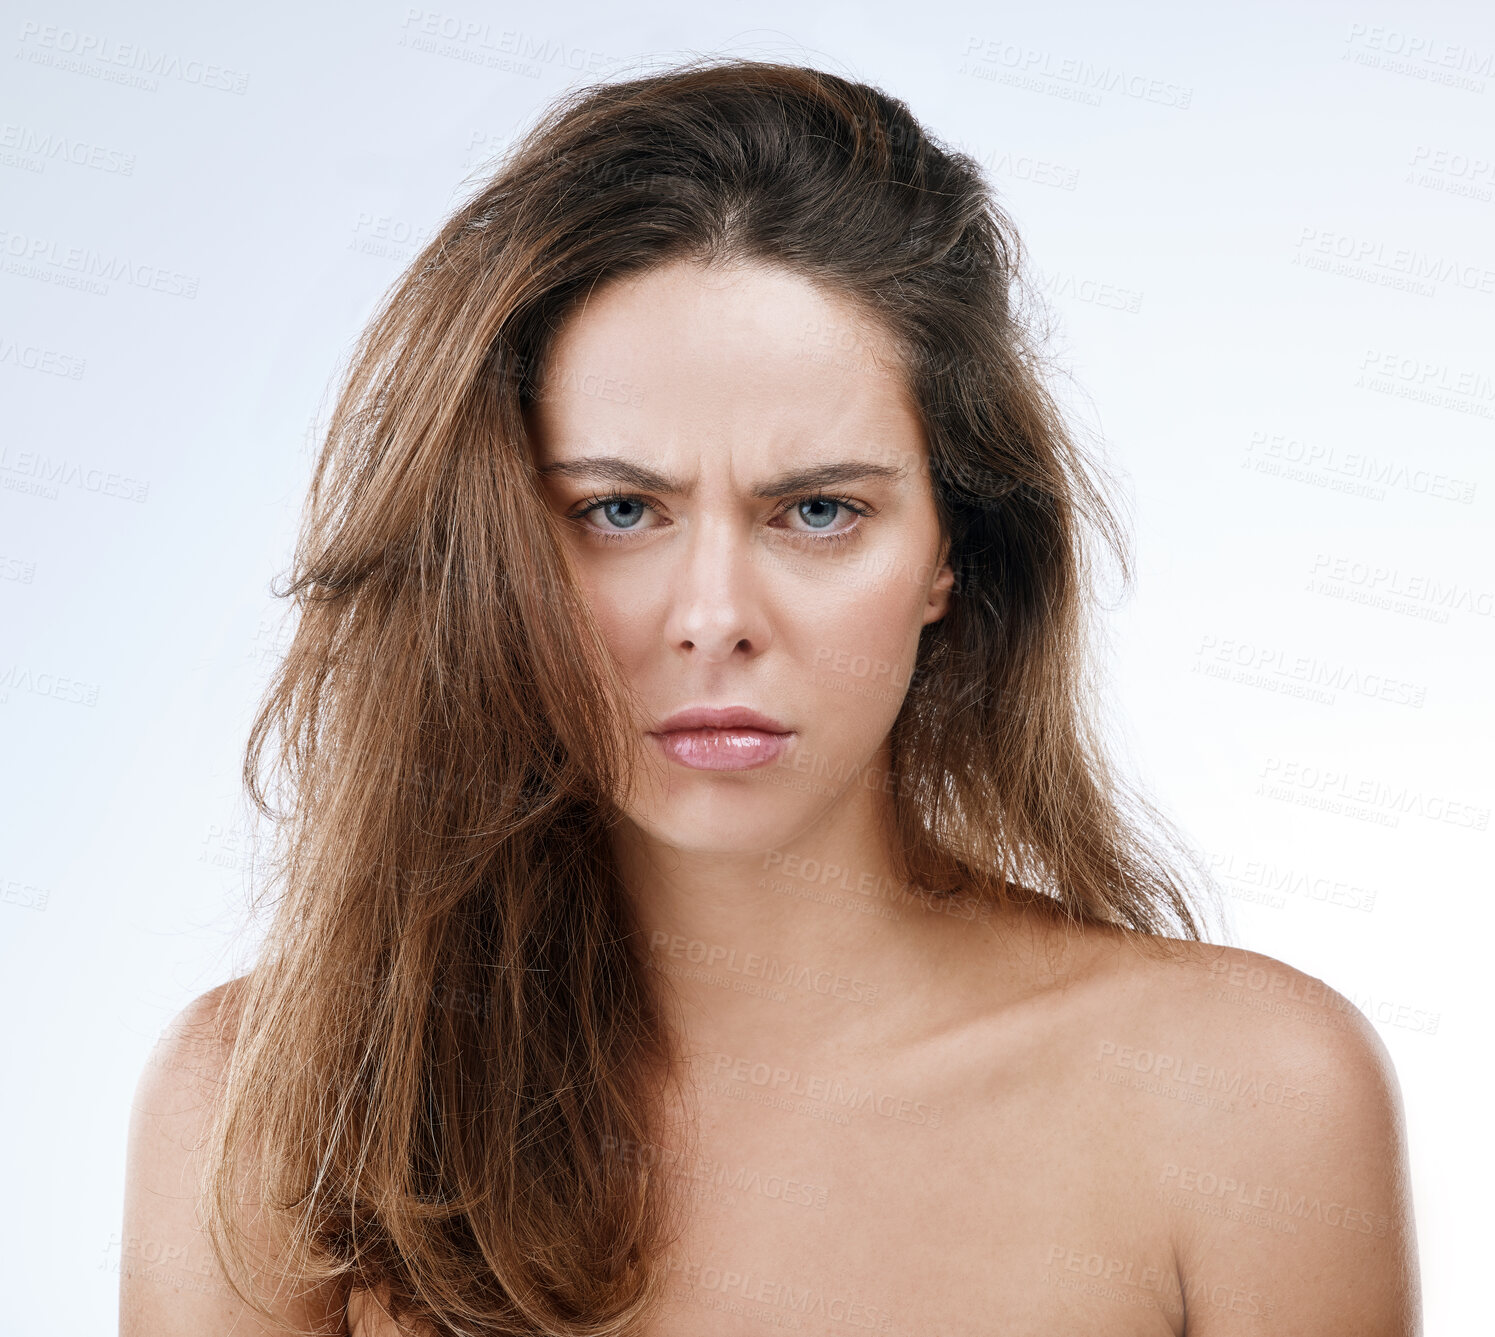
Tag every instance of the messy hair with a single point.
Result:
(449, 1031)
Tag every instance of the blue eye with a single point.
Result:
(831, 508)
(610, 509)
(623, 514)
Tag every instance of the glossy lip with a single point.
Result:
(720, 717)
(722, 738)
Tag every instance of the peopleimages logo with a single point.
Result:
(1266, 878)
(1318, 458)
(1030, 66)
(93, 53)
(1330, 788)
(1231, 1083)
(1390, 587)
(1456, 64)
(755, 966)
(81, 266)
(1300, 1206)
(29, 470)
(1280, 670)
(24, 144)
(857, 1098)
(1375, 259)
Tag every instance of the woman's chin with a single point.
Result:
(730, 831)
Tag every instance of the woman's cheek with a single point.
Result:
(864, 657)
(614, 596)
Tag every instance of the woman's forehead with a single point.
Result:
(753, 354)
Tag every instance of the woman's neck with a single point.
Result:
(802, 949)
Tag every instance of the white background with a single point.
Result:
(1305, 441)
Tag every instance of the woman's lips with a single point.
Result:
(723, 749)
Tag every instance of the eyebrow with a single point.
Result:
(614, 469)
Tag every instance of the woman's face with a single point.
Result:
(746, 500)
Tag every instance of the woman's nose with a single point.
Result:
(716, 608)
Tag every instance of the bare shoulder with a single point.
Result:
(171, 1284)
(184, 1071)
(1274, 1131)
(1243, 1003)
(199, 1040)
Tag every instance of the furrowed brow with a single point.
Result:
(818, 476)
(612, 469)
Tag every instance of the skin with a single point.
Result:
(715, 596)
(1067, 1135)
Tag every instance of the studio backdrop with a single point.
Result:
(1265, 235)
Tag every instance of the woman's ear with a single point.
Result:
(941, 588)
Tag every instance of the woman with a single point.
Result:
(706, 901)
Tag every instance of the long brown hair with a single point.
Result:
(448, 1033)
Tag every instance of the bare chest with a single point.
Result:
(828, 1203)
